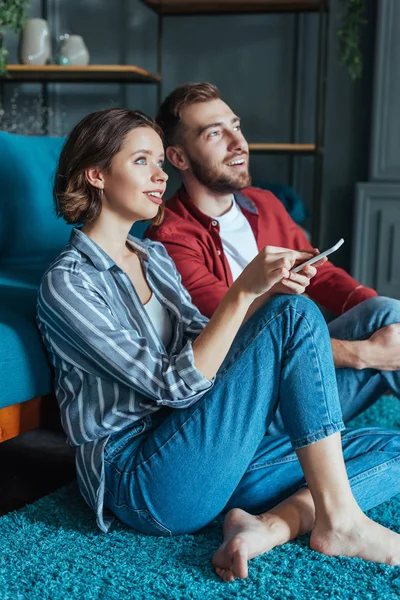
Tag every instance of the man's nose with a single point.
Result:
(237, 141)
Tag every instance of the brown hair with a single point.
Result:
(169, 113)
(93, 142)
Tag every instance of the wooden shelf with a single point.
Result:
(283, 148)
(75, 74)
(187, 7)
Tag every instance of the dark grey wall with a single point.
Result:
(254, 60)
(377, 215)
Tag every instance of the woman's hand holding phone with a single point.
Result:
(271, 266)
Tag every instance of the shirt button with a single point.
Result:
(214, 223)
(219, 252)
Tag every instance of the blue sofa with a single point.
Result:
(31, 236)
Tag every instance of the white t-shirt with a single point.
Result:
(160, 318)
(238, 241)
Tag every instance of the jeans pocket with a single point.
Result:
(120, 440)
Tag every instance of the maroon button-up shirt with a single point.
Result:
(193, 241)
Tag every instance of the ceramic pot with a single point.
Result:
(73, 51)
(35, 47)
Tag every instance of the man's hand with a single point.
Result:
(383, 349)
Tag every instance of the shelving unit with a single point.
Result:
(190, 7)
(77, 74)
(169, 8)
(283, 148)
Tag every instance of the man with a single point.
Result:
(216, 224)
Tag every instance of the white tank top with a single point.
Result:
(160, 318)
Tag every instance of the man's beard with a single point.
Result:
(216, 181)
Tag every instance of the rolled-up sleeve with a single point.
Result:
(72, 311)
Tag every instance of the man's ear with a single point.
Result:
(177, 158)
(95, 177)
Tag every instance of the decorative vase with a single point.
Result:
(34, 47)
(73, 51)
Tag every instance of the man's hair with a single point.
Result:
(169, 113)
(93, 142)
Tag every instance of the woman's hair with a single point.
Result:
(93, 142)
(169, 113)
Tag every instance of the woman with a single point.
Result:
(169, 411)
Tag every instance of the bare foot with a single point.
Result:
(245, 536)
(358, 537)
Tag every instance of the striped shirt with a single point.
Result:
(111, 367)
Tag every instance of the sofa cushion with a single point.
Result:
(29, 229)
(24, 370)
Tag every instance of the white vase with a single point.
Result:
(73, 51)
(35, 47)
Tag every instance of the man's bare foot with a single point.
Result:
(245, 537)
(358, 537)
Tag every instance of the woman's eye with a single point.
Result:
(140, 161)
(161, 164)
(214, 133)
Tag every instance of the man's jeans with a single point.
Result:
(177, 470)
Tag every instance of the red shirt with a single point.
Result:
(192, 240)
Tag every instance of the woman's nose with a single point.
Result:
(160, 175)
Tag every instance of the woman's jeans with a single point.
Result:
(359, 389)
(176, 470)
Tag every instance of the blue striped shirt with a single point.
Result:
(111, 367)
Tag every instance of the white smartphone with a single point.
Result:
(318, 256)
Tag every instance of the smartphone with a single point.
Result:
(318, 256)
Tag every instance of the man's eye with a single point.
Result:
(214, 133)
(237, 128)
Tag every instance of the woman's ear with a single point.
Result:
(177, 158)
(95, 177)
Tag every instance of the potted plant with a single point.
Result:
(349, 36)
(12, 17)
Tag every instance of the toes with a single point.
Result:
(228, 576)
(240, 562)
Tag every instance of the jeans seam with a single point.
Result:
(323, 433)
(358, 434)
(272, 463)
(356, 479)
(327, 410)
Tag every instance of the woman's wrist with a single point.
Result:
(239, 296)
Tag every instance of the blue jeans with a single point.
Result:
(174, 472)
(359, 389)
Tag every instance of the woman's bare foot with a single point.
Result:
(359, 537)
(245, 537)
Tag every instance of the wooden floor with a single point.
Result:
(33, 465)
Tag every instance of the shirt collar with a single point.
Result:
(243, 201)
(100, 259)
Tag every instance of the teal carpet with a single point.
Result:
(51, 550)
